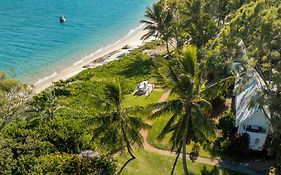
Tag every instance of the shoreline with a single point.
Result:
(132, 38)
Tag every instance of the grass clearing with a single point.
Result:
(143, 101)
(147, 163)
(155, 130)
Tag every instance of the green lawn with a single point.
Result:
(144, 101)
(148, 163)
(172, 97)
(155, 130)
(159, 123)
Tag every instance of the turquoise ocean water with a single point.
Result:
(33, 44)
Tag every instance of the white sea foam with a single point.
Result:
(98, 51)
(45, 78)
(91, 55)
(78, 62)
(132, 31)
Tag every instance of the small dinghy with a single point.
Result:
(62, 19)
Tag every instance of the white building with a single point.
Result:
(251, 117)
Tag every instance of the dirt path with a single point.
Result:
(150, 148)
(165, 96)
(224, 164)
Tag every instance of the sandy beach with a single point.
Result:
(132, 38)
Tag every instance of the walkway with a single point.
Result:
(224, 164)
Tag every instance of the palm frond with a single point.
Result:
(166, 107)
(167, 127)
(201, 122)
(205, 104)
(179, 131)
(168, 77)
(214, 90)
(101, 130)
(188, 60)
(176, 138)
(137, 123)
(112, 93)
(136, 138)
(136, 111)
(99, 119)
(158, 21)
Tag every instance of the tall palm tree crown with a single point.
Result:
(118, 127)
(188, 121)
(158, 23)
(199, 23)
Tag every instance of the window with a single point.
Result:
(256, 129)
(257, 141)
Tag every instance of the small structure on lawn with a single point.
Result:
(89, 154)
(251, 117)
(144, 88)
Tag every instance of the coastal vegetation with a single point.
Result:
(188, 121)
(118, 124)
(95, 112)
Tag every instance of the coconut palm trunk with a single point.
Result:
(128, 149)
(184, 156)
(188, 121)
(118, 126)
(167, 46)
(158, 23)
(176, 160)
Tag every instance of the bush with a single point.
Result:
(226, 145)
(218, 105)
(62, 163)
(7, 163)
(227, 126)
(235, 145)
(240, 144)
(152, 44)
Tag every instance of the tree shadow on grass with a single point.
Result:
(216, 171)
(140, 67)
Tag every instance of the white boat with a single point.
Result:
(62, 19)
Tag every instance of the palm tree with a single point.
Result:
(158, 23)
(119, 126)
(189, 121)
(198, 23)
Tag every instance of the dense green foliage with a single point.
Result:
(157, 127)
(246, 31)
(226, 125)
(12, 97)
(118, 127)
(46, 134)
(71, 164)
(257, 24)
(253, 38)
(56, 119)
(189, 120)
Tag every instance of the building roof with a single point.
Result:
(248, 88)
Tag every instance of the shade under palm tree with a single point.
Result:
(189, 121)
(118, 126)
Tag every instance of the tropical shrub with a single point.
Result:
(226, 125)
(62, 163)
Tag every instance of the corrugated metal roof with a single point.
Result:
(248, 88)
